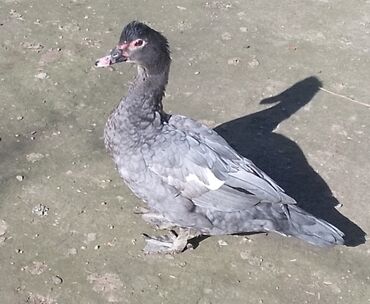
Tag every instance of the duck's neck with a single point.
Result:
(143, 104)
(138, 116)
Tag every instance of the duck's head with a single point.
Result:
(142, 45)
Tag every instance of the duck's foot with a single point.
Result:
(168, 244)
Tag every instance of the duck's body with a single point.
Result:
(187, 174)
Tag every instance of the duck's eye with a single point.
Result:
(139, 42)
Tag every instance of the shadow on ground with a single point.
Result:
(281, 158)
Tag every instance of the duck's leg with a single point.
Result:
(155, 219)
(169, 244)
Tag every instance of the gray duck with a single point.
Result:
(190, 178)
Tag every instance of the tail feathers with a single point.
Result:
(306, 227)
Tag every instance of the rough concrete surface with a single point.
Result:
(287, 82)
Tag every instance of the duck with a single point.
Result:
(193, 183)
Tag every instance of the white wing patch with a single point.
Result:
(213, 183)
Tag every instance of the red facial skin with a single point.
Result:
(125, 49)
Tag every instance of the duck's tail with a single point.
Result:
(305, 226)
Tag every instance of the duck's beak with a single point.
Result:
(116, 55)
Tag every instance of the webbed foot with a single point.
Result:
(168, 244)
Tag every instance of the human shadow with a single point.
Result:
(282, 159)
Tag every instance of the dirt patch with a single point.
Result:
(109, 285)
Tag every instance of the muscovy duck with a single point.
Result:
(191, 179)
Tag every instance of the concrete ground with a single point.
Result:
(286, 82)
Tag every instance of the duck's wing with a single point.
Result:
(201, 166)
(220, 145)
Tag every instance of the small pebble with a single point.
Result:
(57, 280)
(19, 117)
(19, 177)
(233, 61)
(222, 243)
(41, 75)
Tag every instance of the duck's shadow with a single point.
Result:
(282, 159)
